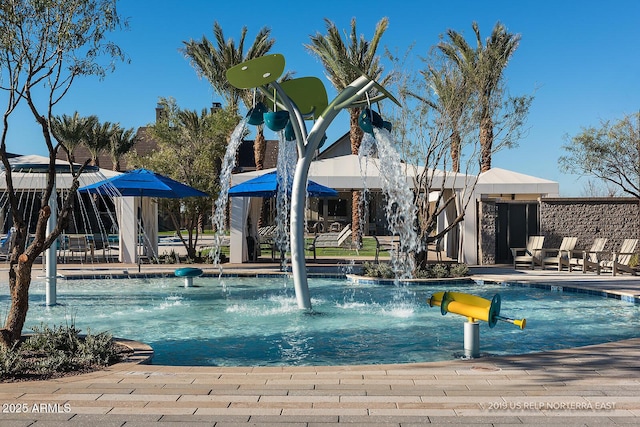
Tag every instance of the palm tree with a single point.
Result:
(483, 67)
(452, 98)
(338, 60)
(120, 143)
(98, 139)
(212, 62)
(70, 131)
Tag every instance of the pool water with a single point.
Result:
(256, 321)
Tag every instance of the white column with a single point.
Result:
(238, 239)
(128, 225)
(51, 268)
(471, 339)
(150, 222)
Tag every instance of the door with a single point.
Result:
(515, 223)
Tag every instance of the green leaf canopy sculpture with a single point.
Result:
(304, 99)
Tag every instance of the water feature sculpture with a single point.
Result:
(304, 99)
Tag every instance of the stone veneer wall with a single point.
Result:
(614, 218)
(488, 215)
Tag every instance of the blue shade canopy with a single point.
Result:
(143, 183)
(266, 185)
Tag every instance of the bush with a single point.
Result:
(459, 270)
(436, 271)
(10, 361)
(382, 270)
(51, 351)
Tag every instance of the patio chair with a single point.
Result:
(620, 259)
(530, 255)
(101, 242)
(330, 240)
(78, 243)
(559, 256)
(386, 244)
(588, 260)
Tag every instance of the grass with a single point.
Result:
(368, 249)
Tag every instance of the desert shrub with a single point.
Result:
(439, 271)
(435, 271)
(381, 270)
(459, 270)
(99, 349)
(54, 350)
(10, 361)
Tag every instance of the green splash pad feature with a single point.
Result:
(256, 72)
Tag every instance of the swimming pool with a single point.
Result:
(256, 321)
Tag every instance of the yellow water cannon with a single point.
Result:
(474, 308)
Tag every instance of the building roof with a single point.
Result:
(344, 173)
(38, 180)
(503, 181)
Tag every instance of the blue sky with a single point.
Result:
(580, 59)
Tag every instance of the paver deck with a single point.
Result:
(595, 385)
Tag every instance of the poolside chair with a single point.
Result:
(620, 259)
(386, 244)
(78, 243)
(330, 240)
(101, 241)
(530, 255)
(559, 256)
(588, 260)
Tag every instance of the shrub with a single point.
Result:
(58, 349)
(459, 270)
(439, 271)
(382, 270)
(436, 271)
(10, 361)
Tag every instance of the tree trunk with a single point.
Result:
(259, 148)
(455, 151)
(355, 137)
(486, 142)
(20, 267)
(259, 152)
(20, 281)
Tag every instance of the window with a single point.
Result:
(337, 207)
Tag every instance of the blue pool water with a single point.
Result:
(256, 322)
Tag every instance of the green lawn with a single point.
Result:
(368, 249)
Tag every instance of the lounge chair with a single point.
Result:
(530, 255)
(561, 255)
(266, 240)
(330, 240)
(588, 260)
(620, 259)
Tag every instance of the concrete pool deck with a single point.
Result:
(595, 385)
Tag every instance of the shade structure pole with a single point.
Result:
(51, 267)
